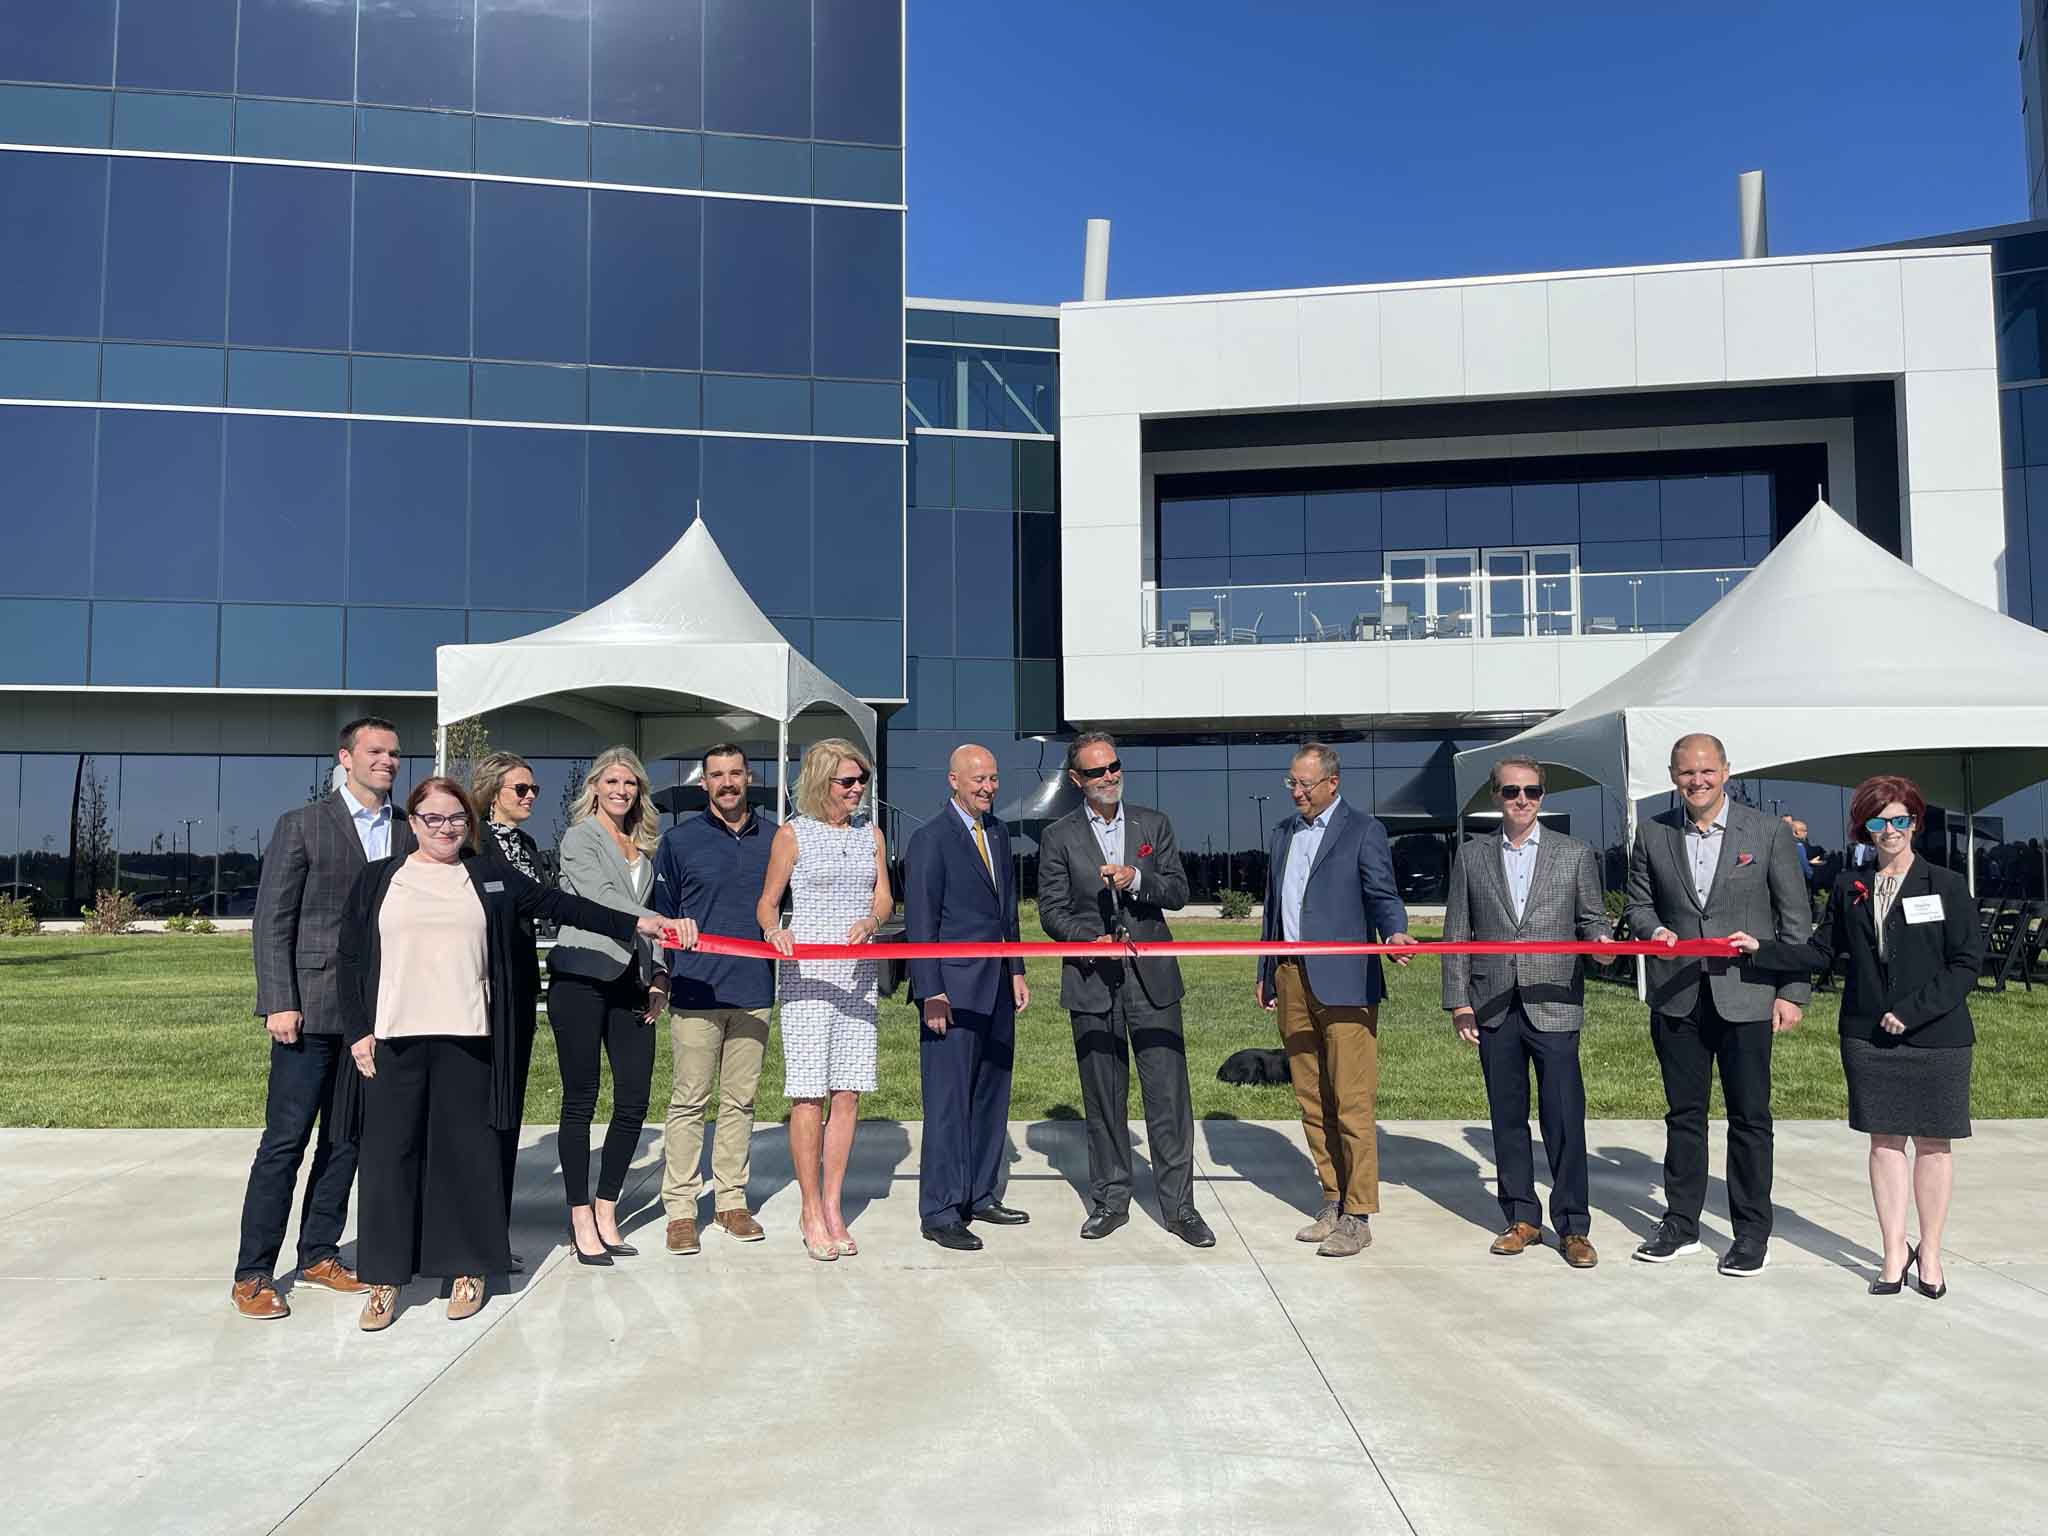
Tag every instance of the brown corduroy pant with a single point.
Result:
(1333, 1057)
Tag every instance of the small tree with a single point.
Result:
(463, 745)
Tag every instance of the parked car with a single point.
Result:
(20, 890)
(240, 902)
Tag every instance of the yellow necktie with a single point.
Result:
(981, 844)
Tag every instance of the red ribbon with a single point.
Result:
(755, 949)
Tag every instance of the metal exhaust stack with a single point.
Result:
(1756, 233)
(1095, 265)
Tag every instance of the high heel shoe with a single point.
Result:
(623, 1250)
(1932, 1293)
(825, 1252)
(604, 1258)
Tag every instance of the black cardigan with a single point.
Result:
(1928, 971)
(507, 896)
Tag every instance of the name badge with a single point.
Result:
(494, 885)
(1922, 909)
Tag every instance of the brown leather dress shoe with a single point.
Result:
(333, 1274)
(1578, 1252)
(1518, 1236)
(256, 1297)
(739, 1222)
(682, 1236)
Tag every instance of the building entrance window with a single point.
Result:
(1531, 591)
(1429, 592)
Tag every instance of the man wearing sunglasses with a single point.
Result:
(1526, 884)
(1109, 872)
(1708, 868)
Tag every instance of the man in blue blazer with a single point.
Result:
(960, 887)
(1330, 875)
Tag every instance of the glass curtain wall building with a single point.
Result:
(334, 331)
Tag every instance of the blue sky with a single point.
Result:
(1266, 144)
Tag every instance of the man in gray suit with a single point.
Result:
(1525, 884)
(1707, 869)
(315, 855)
(1108, 873)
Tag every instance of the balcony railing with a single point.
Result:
(1465, 607)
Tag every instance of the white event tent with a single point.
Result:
(676, 661)
(1831, 661)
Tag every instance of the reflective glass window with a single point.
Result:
(50, 243)
(843, 409)
(1700, 554)
(985, 562)
(419, 54)
(297, 48)
(859, 298)
(2033, 423)
(200, 125)
(1413, 519)
(757, 503)
(643, 493)
(66, 828)
(757, 287)
(1343, 520)
(1701, 507)
(408, 513)
(2022, 309)
(928, 324)
(1549, 514)
(1038, 469)
(986, 699)
(394, 647)
(1194, 527)
(532, 272)
(180, 45)
(857, 62)
(858, 531)
(155, 645)
(928, 627)
(928, 392)
(1038, 697)
(433, 141)
(643, 279)
(778, 166)
(1618, 509)
(1479, 514)
(863, 656)
(254, 792)
(157, 529)
(72, 43)
(299, 299)
(49, 370)
(412, 265)
(285, 512)
(294, 130)
(295, 381)
(1011, 391)
(931, 471)
(167, 250)
(526, 392)
(1196, 571)
(533, 57)
(737, 403)
(1759, 506)
(526, 535)
(647, 62)
(487, 627)
(1256, 570)
(631, 397)
(163, 375)
(928, 681)
(857, 175)
(519, 146)
(409, 386)
(48, 114)
(757, 67)
(1266, 525)
(1038, 586)
(10, 803)
(42, 642)
(646, 157)
(44, 535)
(1620, 555)
(983, 473)
(294, 645)
(169, 807)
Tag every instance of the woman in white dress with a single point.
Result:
(832, 861)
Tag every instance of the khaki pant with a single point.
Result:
(1333, 1056)
(727, 1043)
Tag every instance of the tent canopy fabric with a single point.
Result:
(680, 659)
(1829, 662)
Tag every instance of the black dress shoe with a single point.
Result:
(1102, 1223)
(953, 1234)
(1666, 1243)
(1931, 1292)
(996, 1214)
(1747, 1258)
(1189, 1227)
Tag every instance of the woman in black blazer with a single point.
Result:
(1914, 946)
(425, 961)
(505, 791)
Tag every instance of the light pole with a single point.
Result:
(189, 822)
(1260, 802)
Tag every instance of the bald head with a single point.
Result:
(971, 771)
(1699, 741)
(1699, 769)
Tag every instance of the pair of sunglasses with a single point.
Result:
(524, 791)
(1518, 791)
(1879, 823)
(851, 780)
(1114, 765)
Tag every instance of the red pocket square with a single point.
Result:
(1144, 850)
(1744, 858)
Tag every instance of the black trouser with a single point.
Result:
(522, 1066)
(305, 1086)
(1103, 1043)
(1506, 1052)
(431, 1203)
(965, 1076)
(586, 1015)
(1688, 1050)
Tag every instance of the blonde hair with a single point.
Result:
(487, 778)
(643, 822)
(814, 780)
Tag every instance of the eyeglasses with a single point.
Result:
(434, 821)
(1292, 784)
(1879, 823)
(523, 791)
(1114, 765)
(851, 780)
(1518, 791)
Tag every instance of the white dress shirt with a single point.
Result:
(373, 824)
(1109, 837)
(1518, 865)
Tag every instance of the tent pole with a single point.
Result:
(782, 770)
(440, 749)
(1969, 828)
(1628, 852)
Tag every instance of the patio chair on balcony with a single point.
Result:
(1318, 630)
(1393, 621)
(1202, 626)
(1602, 626)
(1239, 635)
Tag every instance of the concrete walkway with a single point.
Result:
(1045, 1384)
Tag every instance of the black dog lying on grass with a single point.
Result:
(1249, 1068)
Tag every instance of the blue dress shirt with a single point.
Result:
(1301, 858)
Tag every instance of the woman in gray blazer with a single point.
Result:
(603, 996)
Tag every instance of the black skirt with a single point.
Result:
(1907, 1090)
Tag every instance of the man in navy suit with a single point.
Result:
(960, 887)
(1330, 875)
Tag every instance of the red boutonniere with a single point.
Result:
(1144, 850)
(1862, 892)
(1744, 858)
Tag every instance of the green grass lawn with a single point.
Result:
(157, 1031)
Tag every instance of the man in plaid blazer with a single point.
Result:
(1526, 884)
(315, 854)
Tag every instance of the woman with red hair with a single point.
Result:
(1910, 931)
